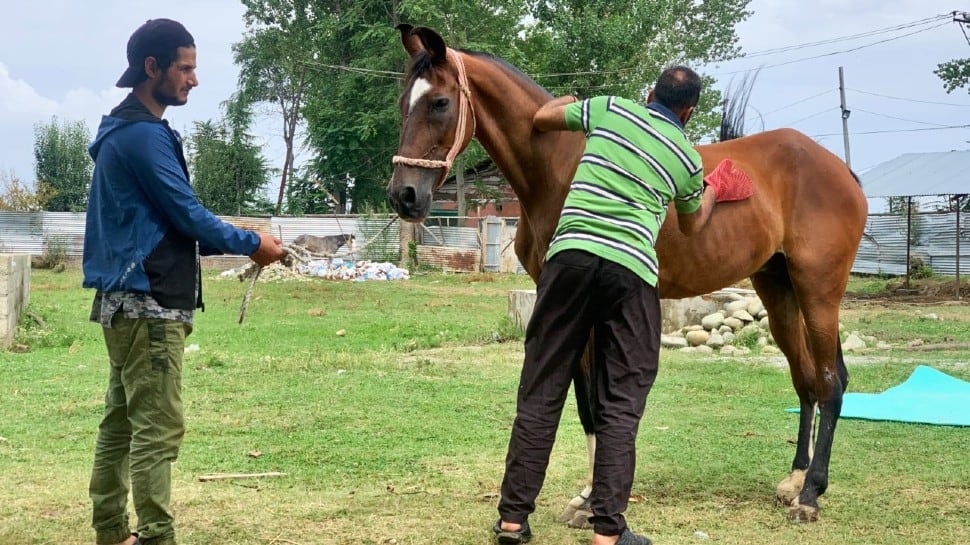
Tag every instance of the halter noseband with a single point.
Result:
(464, 110)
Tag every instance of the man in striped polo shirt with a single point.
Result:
(601, 275)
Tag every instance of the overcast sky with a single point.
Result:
(62, 57)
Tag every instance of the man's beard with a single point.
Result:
(164, 98)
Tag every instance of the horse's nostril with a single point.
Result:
(408, 196)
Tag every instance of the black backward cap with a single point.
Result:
(155, 38)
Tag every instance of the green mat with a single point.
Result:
(928, 396)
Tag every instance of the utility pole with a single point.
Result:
(845, 118)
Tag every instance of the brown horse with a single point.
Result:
(796, 238)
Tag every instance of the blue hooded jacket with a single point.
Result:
(143, 218)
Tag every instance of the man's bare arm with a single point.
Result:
(552, 115)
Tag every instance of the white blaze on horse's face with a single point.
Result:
(419, 89)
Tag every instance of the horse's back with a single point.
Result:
(805, 200)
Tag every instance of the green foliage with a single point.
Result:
(55, 254)
(229, 173)
(62, 164)
(955, 74)
(16, 196)
(620, 47)
(919, 269)
(333, 64)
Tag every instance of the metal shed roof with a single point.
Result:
(919, 174)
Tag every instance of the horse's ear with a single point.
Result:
(433, 43)
(411, 42)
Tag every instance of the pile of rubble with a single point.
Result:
(740, 325)
(333, 268)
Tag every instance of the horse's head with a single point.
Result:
(437, 121)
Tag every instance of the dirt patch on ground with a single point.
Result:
(922, 291)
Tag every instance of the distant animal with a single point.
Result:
(326, 245)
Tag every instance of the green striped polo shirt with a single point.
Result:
(636, 161)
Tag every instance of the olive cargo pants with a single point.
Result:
(142, 429)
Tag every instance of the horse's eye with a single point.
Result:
(440, 105)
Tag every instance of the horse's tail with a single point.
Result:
(735, 105)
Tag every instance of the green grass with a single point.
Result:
(395, 432)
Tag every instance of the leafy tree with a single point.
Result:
(229, 172)
(955, 74)
(273, 71)
(346, 60)
(62, 164)
(619, 47)
(16, 196)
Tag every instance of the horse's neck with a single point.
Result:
(531, 161)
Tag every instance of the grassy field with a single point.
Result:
(388, 407)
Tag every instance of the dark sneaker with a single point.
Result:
(507, 537)
(629, 538)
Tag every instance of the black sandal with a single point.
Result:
(512, 537)
(629, 538)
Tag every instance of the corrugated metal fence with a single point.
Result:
(883, 250)
(934, 241)
(32, 232)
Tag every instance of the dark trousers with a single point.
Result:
(579, 292)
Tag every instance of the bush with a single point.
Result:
(55, 254)
(918, 269)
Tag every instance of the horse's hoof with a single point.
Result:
(803, 513)
(577, 513)
(580, 520)
(788, 490)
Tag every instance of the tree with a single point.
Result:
(619, 47)
(955, 74)
(271, 72)
(229, 173)
(62, 164)
(16, 196)
(352, 61)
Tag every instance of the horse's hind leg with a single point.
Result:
(578, 510)
(804, 323)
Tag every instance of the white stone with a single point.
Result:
(742, 315)
(734, 306)
(703, 349)
(712, 321)
(853, 343)
(728, 337)
(715, 340)
(764, 324)
(734, 323)
(755, 306)
(670, 341)
(697, 338)
(769, 349)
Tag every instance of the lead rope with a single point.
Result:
(464, 110)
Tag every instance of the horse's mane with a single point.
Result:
(735, 107)
(422, 62)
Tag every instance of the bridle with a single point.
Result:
(465, 110)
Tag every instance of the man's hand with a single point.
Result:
(729, 183)
(270, 250)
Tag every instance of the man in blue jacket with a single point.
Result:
(144, 233)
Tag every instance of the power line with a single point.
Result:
(898, 118)
(806, 99)
(908, 99)
(832, 52)
(866, 34)
(816, 114)
(896, 131)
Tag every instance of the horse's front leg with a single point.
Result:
(577, 511)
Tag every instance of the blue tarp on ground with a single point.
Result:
(928, 396)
